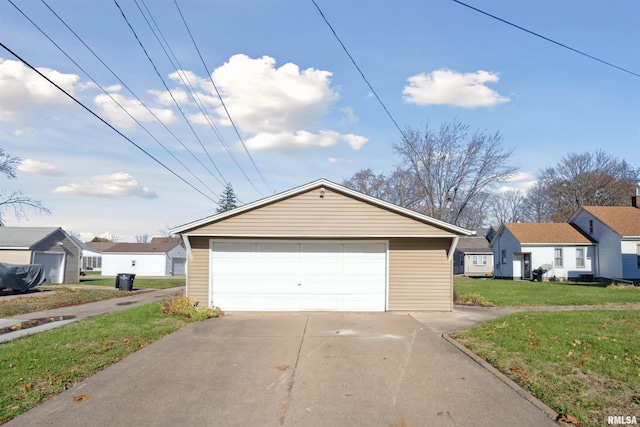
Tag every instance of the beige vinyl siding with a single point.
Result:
(420, 275)
(15, 256)
(198, 270)
(307, 214)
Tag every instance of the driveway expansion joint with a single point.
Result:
(285, 405)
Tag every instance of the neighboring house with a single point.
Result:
(50, 246)
(473, 256)
(560, 248)
(144, 259)
(617, 231)
(321, 246)
(92, 255)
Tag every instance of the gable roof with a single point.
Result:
(624, 220)
(328, 185)
(24, 237)
(141, 247)
(99, 246)
(473, 244)
(547, 232)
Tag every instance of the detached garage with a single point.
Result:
(321, 246)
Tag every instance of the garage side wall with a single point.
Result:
(198, 270)
(420, 275)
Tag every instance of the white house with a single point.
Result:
(144, 259)
(561, 249)
(617, 231)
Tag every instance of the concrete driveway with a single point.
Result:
(298, 369)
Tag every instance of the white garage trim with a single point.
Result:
(298, 275)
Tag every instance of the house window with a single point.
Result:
(580, 257)
(557, 261)
(479, 260)
(461, 260)
(638, 252)
(133, 263)
(504, 256)
(590, 226)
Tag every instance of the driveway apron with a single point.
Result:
(297, 369)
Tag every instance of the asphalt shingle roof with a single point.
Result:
(535, 232)
(141, 247)
(624, 220)
(23, 237)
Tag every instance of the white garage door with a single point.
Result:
(299, 276)
(53, 266)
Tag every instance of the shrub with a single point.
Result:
(472, 299)
(188, 307)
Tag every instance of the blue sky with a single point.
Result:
(302, 109)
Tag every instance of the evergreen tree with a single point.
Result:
(228, 199)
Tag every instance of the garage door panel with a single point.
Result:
(256, 276)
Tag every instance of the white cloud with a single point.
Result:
(446, 87)
(22, 88)
(119, 184)
(520, 177)
(355, 141)
(119, 118)
(349, 116)
(163, 97)
(37, 167)
(263, 98)
(280, 107)
(521, 181)
(338, 159)
(286, 141)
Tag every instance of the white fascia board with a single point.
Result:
(319, 236)
(331, 185)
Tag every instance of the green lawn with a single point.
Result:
(35, 367)
(584, 363)
(138, 282)
(526, 293)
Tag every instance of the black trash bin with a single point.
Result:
(124, 281)
(535, 275)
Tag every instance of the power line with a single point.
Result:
(187, 83)
(104, 121)
(101, 87)
(360, 71)
(547, 39)
(171, 94)
(221, 100)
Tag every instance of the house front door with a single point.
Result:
(526, 266)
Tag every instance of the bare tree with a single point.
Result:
(399, 187)
(538, 205)
(453, 167)
(142, 238)
(508, 206)
(15, 200)
(585, 179)
(367, 182)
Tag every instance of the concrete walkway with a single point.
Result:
(294, 369)
(82, 311)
